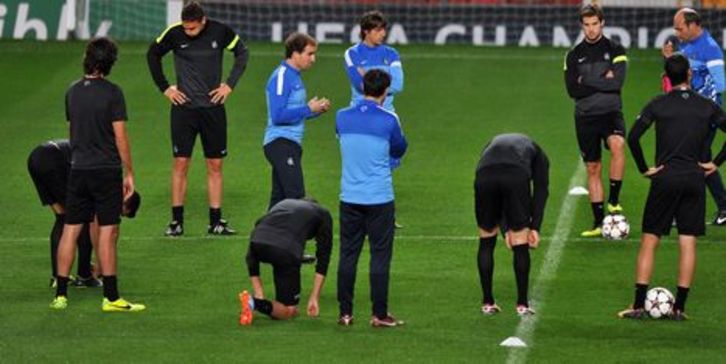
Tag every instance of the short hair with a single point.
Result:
(691, 16)
(101, 54)
(192, 12)
(591, 10)
(296, 42)
(676, 68)
(371, 20)
(132, 204)
(375, 82)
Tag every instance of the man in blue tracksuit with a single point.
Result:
(287, 111)
(370, 136)
(707, 69)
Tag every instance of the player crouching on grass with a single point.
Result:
(508, 164)
(683, 121)
(279, 239)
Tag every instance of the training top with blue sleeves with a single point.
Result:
(381, 57)
(287, 107)
(369, 137)
(707, 66)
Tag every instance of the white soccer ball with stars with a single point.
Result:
(615, 227)
(659, 302)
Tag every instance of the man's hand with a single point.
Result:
(708, 167)
(175, 96)
(219, 94)
(609, 74)
(313, 308)
(667, 49)
(128, 186)
(319, 106)
(652, 171)
(533, 239)
(361, 71)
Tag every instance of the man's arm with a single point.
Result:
(540, 182)
(157, 50)
(323, 247)
(253, 269)
(124, 151)
(614, 78)
(715, 66)
(241, 56)
(396, 70)
(642, 123)
(278, 92)
(397, 141)
(720, 121)
(352, 69)
(575, 88)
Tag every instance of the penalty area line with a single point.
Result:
(548, 271)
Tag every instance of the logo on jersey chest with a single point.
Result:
(606, 56)
(214, 44)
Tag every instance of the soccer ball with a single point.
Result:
(659, 302)
(615, 227)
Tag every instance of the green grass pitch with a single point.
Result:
(455, 99)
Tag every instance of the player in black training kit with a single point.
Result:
(279, 239)
(683, 122)
(594, 75)
(197, 101)
(503, 197)
(97, 186)
(49, 165)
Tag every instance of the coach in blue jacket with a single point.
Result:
(369, 137)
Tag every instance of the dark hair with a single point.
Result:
(371, 20)
(132, 204)
(691, 16)
(375, 82)
(100, 56)
(192, 12)
(296, 42)
(676, 68)
(591, 10)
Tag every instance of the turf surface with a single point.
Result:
(455, 99)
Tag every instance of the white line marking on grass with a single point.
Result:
(548, 272)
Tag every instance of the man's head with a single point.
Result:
(376, 83)
(193, 19)
(131, 205)
(687, 24)
(592, 22)
(678, 69)
(101, 54)
(373, 28)
(300, 50)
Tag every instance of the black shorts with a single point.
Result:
(682, 197)
(592, 131)
(502, 193)
(49, 172)
(285, 270)
(209, 122)
(96, 192)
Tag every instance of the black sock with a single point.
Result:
(615, 185)
(263, 306)
(598, 212)
(110, 290)
(521, 271)
(177, 214)
(214, 216)
(55, 236)
(640, 291)
(681, 297)
(61, 288)
(486, 267)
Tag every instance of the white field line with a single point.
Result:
(548, 271)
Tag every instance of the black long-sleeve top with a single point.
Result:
(520, 151)
(288, 225)
(585, 68)
(683, 121)
(197, 60)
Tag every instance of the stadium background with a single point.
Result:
(456, 97)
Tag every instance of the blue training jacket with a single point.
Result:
(706, 59)
(370, 136)
(381, 57)
(287, 107)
